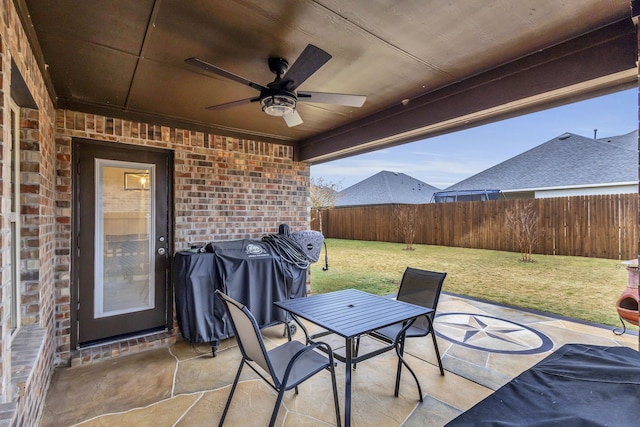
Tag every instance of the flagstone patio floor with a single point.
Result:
(483, 346)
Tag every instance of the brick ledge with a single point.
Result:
(26, 347)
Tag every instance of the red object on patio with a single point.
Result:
(627, 304)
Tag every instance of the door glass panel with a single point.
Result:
(124, 277)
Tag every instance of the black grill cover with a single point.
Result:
(577, 385)
(249, 271)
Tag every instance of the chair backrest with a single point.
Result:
(247, 332)
(421, 287)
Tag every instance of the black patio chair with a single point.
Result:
(419, 287)
(288, 365)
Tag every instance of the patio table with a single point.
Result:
(350, 313)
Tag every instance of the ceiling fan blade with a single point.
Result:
(224, 73)
(309, 61)
(232, 104)
(293, 119)
(332, 98)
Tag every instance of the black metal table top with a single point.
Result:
(351, 312)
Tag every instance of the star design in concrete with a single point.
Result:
(491, 334)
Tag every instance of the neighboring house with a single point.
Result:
(569, 165)
(386, 188)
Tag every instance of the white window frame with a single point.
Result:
(14, 219)
(98, 302)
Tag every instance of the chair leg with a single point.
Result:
(332, 370)
(274, 414)
(233, 389)
(399, 352)
(435, 346)
(355, 350)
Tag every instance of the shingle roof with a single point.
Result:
(386, 188)
(567, 160)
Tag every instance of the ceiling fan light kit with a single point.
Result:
(278, 105)
(279, 98)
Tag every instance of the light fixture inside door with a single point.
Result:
(136, 181)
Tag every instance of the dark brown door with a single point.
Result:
(122, 217)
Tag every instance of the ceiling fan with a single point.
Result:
(279, 98)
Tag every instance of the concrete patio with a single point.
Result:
(483, 347)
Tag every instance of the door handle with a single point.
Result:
(162, 251)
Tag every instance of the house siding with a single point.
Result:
(587, 191)
(224, 189)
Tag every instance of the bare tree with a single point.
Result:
(409, 220)
(522, 219)
(323, 196)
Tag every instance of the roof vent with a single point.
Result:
(564, 136)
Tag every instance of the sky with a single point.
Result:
(445, 160)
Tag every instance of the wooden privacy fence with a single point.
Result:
(592, 226)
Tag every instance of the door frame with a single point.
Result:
(75, 221)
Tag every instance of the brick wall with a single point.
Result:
(5, 254)
(26, 359)
(225, 189)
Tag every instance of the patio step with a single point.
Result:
(125, 347)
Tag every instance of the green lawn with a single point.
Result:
(576, 287)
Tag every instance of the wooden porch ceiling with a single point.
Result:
(426, 67)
